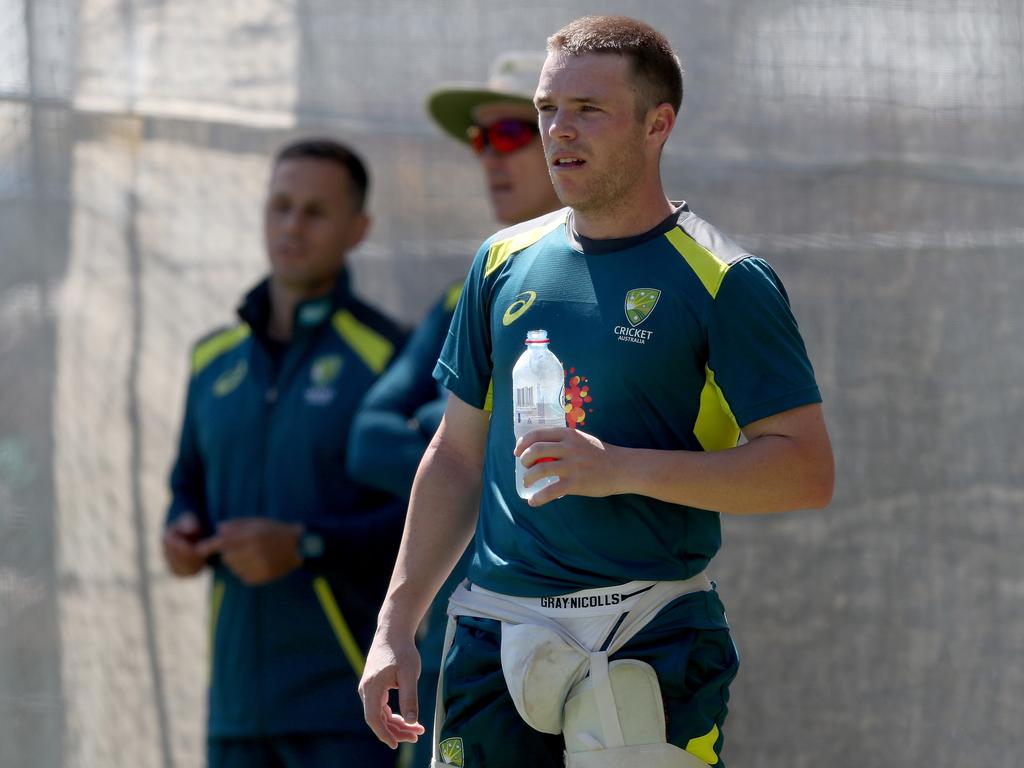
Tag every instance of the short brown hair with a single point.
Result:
(328, 149)
(655, 65)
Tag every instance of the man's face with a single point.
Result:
(518, 181)
(593, 140)
(310, 222)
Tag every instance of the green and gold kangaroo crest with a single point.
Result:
(325, 369)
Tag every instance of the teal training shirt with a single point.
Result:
(671, 340)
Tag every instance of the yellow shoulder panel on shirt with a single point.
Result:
(709, 268)
(372, 348)
(452, 297)
(215, 346)
(501, 250)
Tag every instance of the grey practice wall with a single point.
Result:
(870, 150)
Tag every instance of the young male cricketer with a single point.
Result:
(682, 340)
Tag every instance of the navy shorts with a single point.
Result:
(688, 643)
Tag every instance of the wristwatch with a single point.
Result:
(311, 545)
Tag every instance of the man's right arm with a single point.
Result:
(440, 522)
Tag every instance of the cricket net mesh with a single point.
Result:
(871, 150)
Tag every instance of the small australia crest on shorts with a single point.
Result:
(451, 752)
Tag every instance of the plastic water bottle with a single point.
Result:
(538, 391)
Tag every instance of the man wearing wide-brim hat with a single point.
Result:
(498, 120)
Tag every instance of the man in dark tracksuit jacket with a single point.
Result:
(260, 490)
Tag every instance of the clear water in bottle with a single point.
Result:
(538, 391)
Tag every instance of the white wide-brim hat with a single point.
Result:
(513, 78)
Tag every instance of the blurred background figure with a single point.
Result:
(499, 122)
(399, 416)
(258, 487)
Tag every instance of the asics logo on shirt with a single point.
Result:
(518, 307)
(228, 381)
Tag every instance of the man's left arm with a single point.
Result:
(400, 413)
(786, 464)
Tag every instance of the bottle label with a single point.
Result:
(529, 411)
(524, 397)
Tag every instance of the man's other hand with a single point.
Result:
(258, 550)
(181, 545)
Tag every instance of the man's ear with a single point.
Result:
(360, 229)
(660, 122)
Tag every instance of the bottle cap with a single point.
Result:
(537, 337)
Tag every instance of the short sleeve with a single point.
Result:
(464, 367)
(755, 349)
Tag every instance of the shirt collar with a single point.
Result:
(590, 245)
(255, 306)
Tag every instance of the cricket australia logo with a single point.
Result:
(639, 305)
(451, 752)
(323, 373)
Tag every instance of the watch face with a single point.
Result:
(311, 545)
